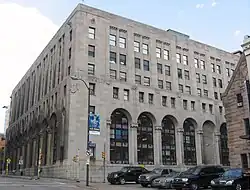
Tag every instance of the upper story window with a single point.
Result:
(185, 106)
(213, 67)
(203, 105)
(203, 66)
(112, 40)
(123, 76)
(188, 90)
(198, 78)
(220, 110)
(193, 105)
(218, 69)
(205, 92)
(126, 94)
(91, 33)
(232, 71)
(247, 126)
(137, 79)
(160, 84)
(141, 97)
(113, 74)
(115, 92)
(70, 37)
(168, 85)
(92, 88)
(181, 88)
(167, 70)
(185, 59)
(178, 58)
(179, 73)
(122, 59)
(239, 100)
(122, 42)
(137, 63)
(146, 81)
(186, 75)
(199, 92)
(158, 52)
(172, 99)
(164, 100)
(91, 69)
(165, 54)
(216, 96)
(220, 83)
(145, 49)
(145, 65)
(228, 72)
(136, 46)
(159, 68)
(70, 53)
(150, 98)
(214, 82)
(196, 63)
(91, 51)
(204, 79)
(112, 57)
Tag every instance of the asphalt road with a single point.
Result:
(21, 184)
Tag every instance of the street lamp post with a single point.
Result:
(87, 165)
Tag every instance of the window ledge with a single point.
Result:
(246, 137)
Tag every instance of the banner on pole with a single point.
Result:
(94, 124)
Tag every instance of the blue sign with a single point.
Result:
(94, 124)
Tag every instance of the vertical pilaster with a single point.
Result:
(179, 147)
(157, 146)
(34, 153)
(199, 143)
(217, 148)
(133, 143)
(18, 158)
(23, 156)
(27, 157)
(41, 145)
(49, 148)
(108, 124)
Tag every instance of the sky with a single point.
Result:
(28, 25)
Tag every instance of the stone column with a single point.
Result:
(157, 145)
(49, 147)
(41, 146)
(180, 147)
(23, 156)
(18, 158)
(217, 148)
(199, 143)
(133, 143)
(34, 153)
(107, 136)
(27, 157)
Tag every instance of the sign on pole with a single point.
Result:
(94, 124)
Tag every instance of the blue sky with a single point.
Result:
(222, 25)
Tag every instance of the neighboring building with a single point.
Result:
(6, 121)
(236, 100)
(2, 146)
(158, 94)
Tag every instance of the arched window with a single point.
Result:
(168, 142)
(189, 143)
(145, 147)
(119, 153)
(224, 151)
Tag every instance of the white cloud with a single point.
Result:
(24, 33)
(237, 33)
(214, 3)
(199, 6)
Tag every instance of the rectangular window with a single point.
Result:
(69, 53)
(145, 65)
(218, 69)
(136, 46)
(91, 69)
(150, 98)
(196, 63)
(158, 52)
(186, 75)
(168, 85)
(91, 33)
(220, 83)
(123, 76)
(247, 126)
(244, 161)
(122, 59)
(178, 58)
(122, 42)
(188, 89)
(165, 54)
(92, 88)
(164, 100)
(228, 72)
(203, 105)
(160, 84)
(113, 74)
(91, 51)
(202, 63)
(216, 95)
(141, 97)
(199, 92)
(192, 105)
(185, 59)
(70, 37)
(126, 95)
(232, 71)
(112, 57)
(211, 108)
(145, 49)
(146, 81)
(112, 40)
(159, 68)
(181, 88)
(185, 106)
(179, 73)
(137, 79)
(220, 110)
(172, 102)
(204, 79)
(214, 82)
(137, 63)
(198, 78)
(205, 92)
(239, 100)
(92, 109)
(167, 70)
(115, 92)
(213, 67)
(65, 90)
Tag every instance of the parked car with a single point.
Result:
(196, 177)
(126, 174)
(165, 181)
(146, 179)
(236, 178)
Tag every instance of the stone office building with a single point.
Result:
(158, 94)
(236, 101)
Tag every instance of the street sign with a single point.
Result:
(88, 152)
(94, 124)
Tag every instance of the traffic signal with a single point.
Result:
(103, 155)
